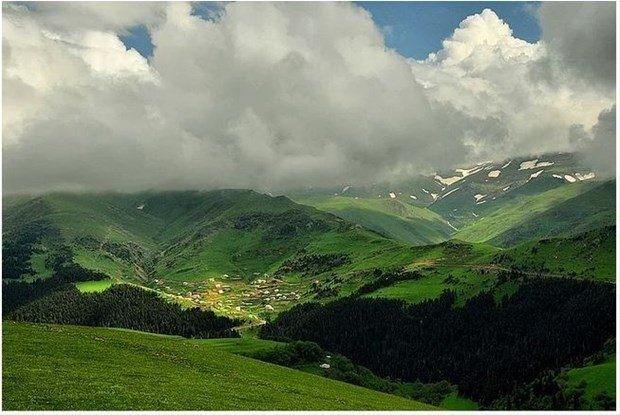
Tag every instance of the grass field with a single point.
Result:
(454, 402)
(76, 368)
(94, 286)
(598, 378)
(465, 283)
(243, 345)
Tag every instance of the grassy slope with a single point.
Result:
(94, 286)
(556, 212)
(453, 260)
(200, 248)
(590, 210)
(588, 255)
(433, 283)
(192, 235)
(391, 217)
(244, 345)
(598, 378)
(76, 368)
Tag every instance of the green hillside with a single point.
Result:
(590, 210)
(458, 266)
(561, 211)
(469, 268)
(108, 369)
(588, 255)
(390, 217)
(202, 248)
(598, 379)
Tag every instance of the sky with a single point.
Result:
(134, 96)
(414, 29)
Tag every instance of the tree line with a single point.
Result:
(123, 306)
(488, 348)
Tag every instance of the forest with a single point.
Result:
(488, 347)
(121, 306)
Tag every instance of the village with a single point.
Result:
(232, 296)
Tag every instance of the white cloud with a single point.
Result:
(306, 94)
(484, 71)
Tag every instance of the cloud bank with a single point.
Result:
(276, 96)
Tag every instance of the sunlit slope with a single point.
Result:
(591, 254)
(405, 222)
(557, 212)
(598, 379)
(77, 368)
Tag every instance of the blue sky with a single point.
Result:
(414, 29)
(417, 28)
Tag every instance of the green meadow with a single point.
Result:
(47, 367)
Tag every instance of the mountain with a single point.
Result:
(107, 369)
(428, 209)
(556, 212)
(237, 251)
(478, 190)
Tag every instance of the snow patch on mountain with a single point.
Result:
(447, 180)
(535, 175)
(469, 172)
(450, 192)
(495, 173)
(586, 176)
(533, 164)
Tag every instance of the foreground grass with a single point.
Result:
(78, 368)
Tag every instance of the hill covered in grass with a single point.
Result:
(590, 254)
(223, 249)
(558, 212)
(107, 369)
(394, 218)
